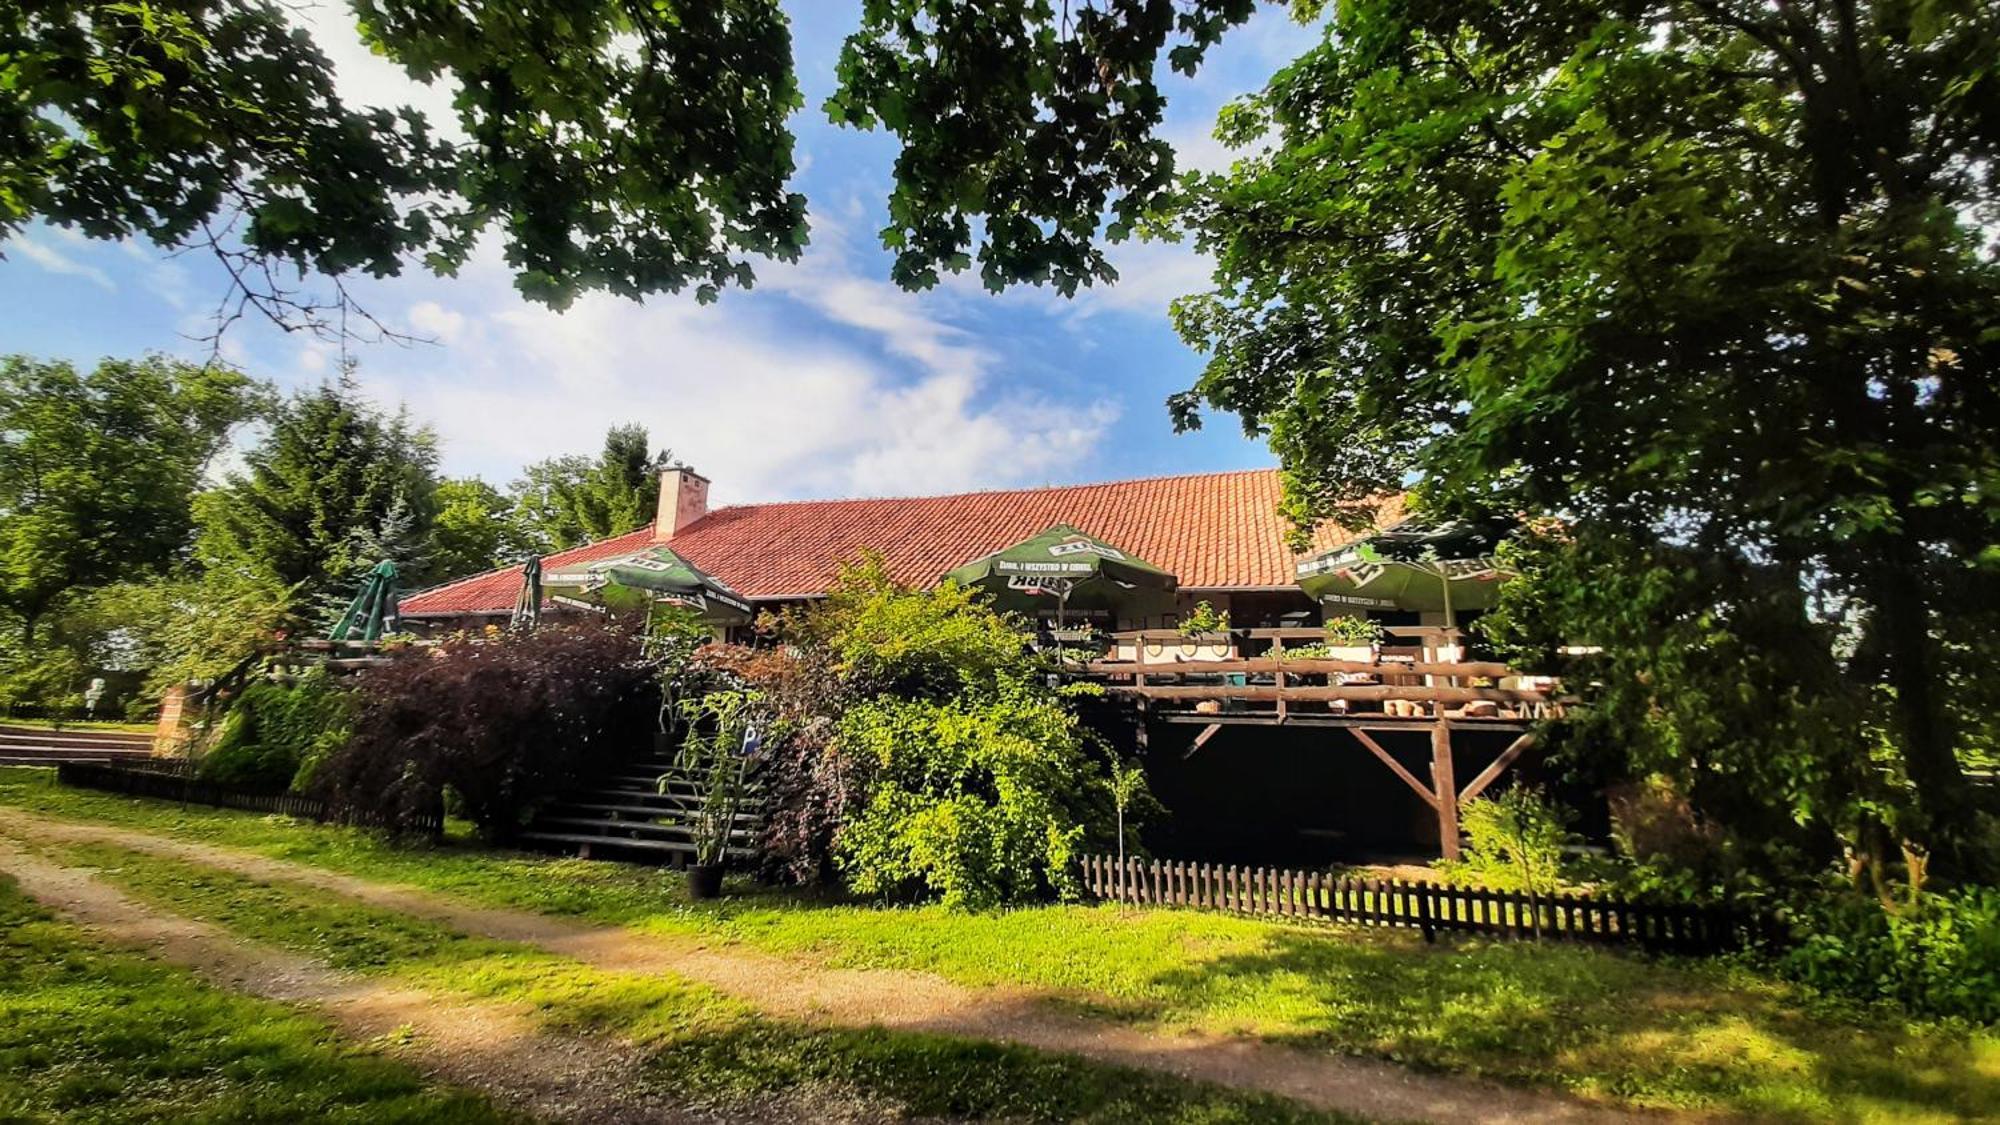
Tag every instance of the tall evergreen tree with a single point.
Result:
(566, 501)
(335, 486)
(97, 470)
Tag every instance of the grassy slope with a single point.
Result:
(1687, 1034)
(93, 1035)
(700, 1042)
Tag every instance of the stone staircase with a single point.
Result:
(45, 746)
(628, 813)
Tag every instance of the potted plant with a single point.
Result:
(715, 755)
(1352, 638)
(1208, 629)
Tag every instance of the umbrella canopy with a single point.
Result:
(654, 576)
(528, 607)
(373, 610)
(1415, 565)
(1074, 570)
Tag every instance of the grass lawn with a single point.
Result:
(89, 1034)
(701, 1043)
(1705, 1035)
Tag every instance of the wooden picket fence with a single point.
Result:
(174, 781)
(1430, 907)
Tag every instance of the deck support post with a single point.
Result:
(1445, 785)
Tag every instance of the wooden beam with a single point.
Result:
(1265, 665)
(1447, 789)
(1486, 776)
(1201, 739)
(1356, 692)
(1389, 760)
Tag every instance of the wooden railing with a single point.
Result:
(1429, 907)
(174, 782)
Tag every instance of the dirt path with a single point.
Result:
(799, 989)
(482, 1046)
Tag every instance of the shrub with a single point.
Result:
(1517, 841)
(1349, 631)
(978, 801)
(276, 731)
(913, 643)
(809, 781)
(1205, 619)
(503, 720)
(1936, 955)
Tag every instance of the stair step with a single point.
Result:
(607, 845)
(743, 811)
(12, 739)
(627, 829)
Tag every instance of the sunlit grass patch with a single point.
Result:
(90, 1034)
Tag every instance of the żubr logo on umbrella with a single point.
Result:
(1084, 545)
(1037, 585)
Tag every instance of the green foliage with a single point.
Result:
(1205, 619)
(1036, 122)
(928, 643)
(183, 628)
(334, 487)
(97, 468)
(1703, 279)
(974, 800)
(474, 530)
(669, 165)
(568, 501)
(1938, 954)
(276, 732)
(1517, 841)
(1352, 630)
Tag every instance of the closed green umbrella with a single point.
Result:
(528, 607)
(1074, 569)
(373, 610)
(1416, 565)
(654, 576)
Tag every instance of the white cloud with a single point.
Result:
(431, 319)
(49, 258)
(768, 393)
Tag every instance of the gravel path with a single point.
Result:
(800, 989)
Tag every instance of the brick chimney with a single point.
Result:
(683, 500)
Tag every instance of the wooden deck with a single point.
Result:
(1414, 682)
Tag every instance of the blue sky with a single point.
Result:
(825, 380)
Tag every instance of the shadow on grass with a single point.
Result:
(1657, 1031)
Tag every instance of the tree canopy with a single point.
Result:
(1712, 281)
(97, 469)
(630, 148)
(571, 500)
(335, 486)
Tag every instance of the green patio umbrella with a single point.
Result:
(654, 576)
(1074, 569)
(1417, 564)
(528, 607)
(373, 610)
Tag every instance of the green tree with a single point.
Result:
(97, 470)
(632, 148)
(1706, 278)
(335, 486)
(566, 501)
(474, 530)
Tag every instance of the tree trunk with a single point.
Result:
(1910, 666)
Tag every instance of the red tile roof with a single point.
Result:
(1212, 531)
